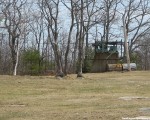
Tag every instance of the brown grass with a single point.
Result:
(96, 97)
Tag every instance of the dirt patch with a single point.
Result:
(145, 110)
(134, 98)
(15, 105)
(138, 118)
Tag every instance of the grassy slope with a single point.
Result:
(96, 97)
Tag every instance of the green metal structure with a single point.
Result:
(101, 46)
(105, 53)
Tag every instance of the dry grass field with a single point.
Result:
(103, 96)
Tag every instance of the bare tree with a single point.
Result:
(82, 13)
(108, 16)
(80, 20)
(125, 29)
(76, 10)
(135, 23)
(89, 17)
(50, 11)
(72, 23)
(12, 9)
(143, 52)
(38, 30)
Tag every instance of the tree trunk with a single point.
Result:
(13, 60)
(13, 53)
(67, 50)
(81, 41)
(80, 59)
(75, 53)
(59, 68)
(16, 65)
(126, 43)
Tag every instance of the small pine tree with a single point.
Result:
(31, 59)
(88, 60)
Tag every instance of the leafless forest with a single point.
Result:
(54, 36)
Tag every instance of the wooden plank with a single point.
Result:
(114, 67)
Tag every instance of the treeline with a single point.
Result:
(54, 35)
